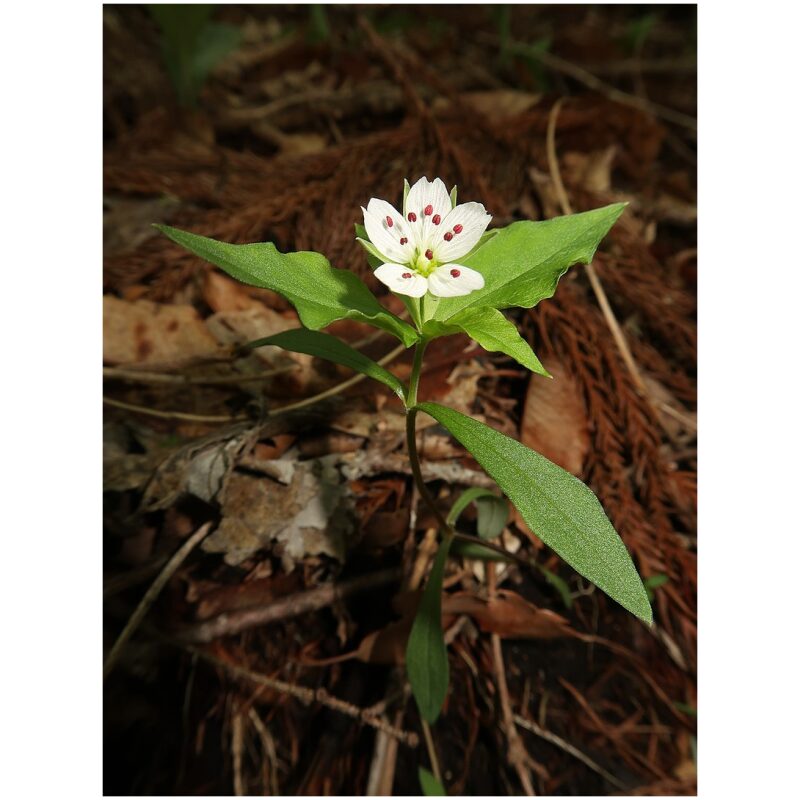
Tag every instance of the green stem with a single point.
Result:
(411, 439)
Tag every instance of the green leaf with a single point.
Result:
(522, 264)
(406, 190)
(464, 499)
(492, 511)
(320, 293)
(492, 516)
(430, 786)
(492, 331)
(559, 584)
(653, 582)
(426, 653)
(561, 510)
(323, 345)
(477, 551)
(453, 196)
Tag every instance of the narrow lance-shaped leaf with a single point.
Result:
(561, 510)
(522, 264)
(492, 331)
(323, 345)
(426, 652)
(320, 293)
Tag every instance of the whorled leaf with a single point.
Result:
(523, 263)
(320, 293)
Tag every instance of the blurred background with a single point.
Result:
(276, 123)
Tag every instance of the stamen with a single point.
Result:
(389, 221)
(406, 275)
(403, 240)
(458, 228)
(428, 210)
(436, 219)
(412, 217)
(455, 272)
(448, 236)
(429, 255)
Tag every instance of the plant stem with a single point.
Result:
(411, 439)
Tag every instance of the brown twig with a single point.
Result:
(307, 696)
(301, 603)
(518, 756)
(568, 748)
(137, 376)
(152, 593)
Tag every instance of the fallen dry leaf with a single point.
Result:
(144, 332)
(554, 421)
(310, 515)
(509, 615)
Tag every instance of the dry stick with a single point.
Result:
(307, 696)
(568, 748)
(308, 401)
(597, 286)
(517, 755)
(237, 747)
(143, 376)
(268, 743)
(152, 593)
(587, 79)
(229, 623)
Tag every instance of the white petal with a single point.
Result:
(392, 275)
(387, 237)
(425, 193)
(453, 280)
(473, 219)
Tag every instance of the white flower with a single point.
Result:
(421, 247)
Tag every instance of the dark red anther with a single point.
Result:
(403, 240)
(429, 255)
(412, 217)
(436, 219)
(389, 221)
(448, 236)
(428, 210)
(455, 272)
(406, 274)
(458, 228)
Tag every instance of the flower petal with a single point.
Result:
(433, 196)
(393, 276)
(387, 237)
(453, 280)
(473, 219)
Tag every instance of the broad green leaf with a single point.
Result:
(492, 331)
(320, 293)
(522, 264)
(561, 510)
(426, 653)
(323, 345)
(430, 786)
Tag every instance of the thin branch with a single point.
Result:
(152, 593)
(308, 696)
(528, 725)
(294, 605)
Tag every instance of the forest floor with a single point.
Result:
(213, 457)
